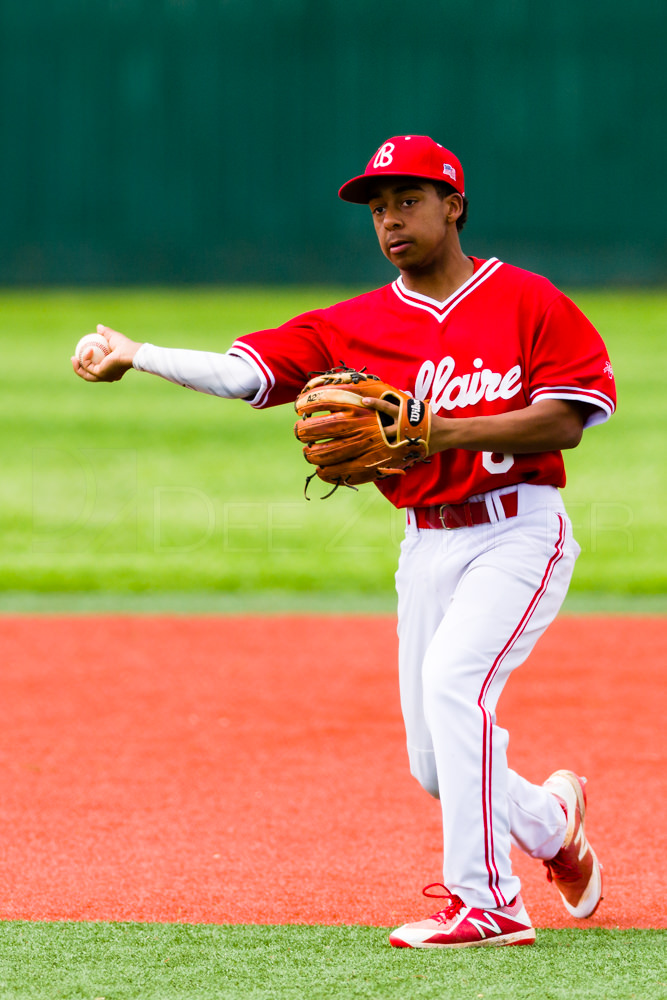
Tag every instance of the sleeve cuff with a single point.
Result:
(604, 405)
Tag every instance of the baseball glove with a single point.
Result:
(348, 443)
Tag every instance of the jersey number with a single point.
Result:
(496, 463)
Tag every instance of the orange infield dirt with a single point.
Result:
(218, 770)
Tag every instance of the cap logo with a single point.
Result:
(449, 170)
(383, 157)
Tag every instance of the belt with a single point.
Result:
(465, 515)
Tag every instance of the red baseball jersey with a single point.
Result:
(505, 339)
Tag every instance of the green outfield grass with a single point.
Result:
(181, 962)
(144, 487)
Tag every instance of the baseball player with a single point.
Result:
(513, 373)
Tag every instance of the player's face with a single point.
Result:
(412, 223)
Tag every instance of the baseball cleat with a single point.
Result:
(461, 926)
(575, 870)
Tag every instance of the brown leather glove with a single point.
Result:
(349, 443)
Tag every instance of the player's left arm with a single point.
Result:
(547, 425)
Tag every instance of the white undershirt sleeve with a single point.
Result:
(203, 371)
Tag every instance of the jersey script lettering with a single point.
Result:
(448, 391)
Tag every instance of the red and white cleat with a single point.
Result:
(461, 926)
(575, 870)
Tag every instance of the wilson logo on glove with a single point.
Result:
(415, 412)
(349, 443)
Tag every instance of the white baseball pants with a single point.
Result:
(472, 603)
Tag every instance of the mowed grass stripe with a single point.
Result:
(78, 961)
(280, 602)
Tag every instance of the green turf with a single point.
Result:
(279, 602)
(147, 488)
(185, 962)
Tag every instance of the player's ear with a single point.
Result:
(453, 205)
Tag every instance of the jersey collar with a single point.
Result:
(441, 310)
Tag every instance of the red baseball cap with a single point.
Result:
(406, 156)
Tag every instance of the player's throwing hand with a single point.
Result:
(114, 365)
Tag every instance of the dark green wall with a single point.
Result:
(205, 140)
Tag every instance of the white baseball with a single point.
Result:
(99, 344)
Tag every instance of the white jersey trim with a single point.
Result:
(266, 376)
(603, 403)
(441, 310)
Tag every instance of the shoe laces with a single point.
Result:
(448, 912)
(562, 871)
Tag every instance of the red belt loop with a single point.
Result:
(465, 515)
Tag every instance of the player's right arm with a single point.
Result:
(211, 373)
